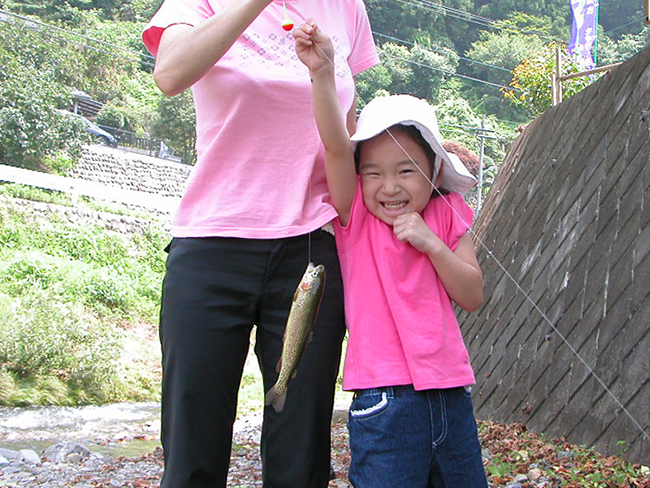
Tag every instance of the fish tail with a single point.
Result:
(276, 399)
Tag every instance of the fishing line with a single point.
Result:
(527, 297)
(309, 234)
(521, 290)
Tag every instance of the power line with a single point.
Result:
(450, 12)
(474, 18)
(31, 23)
(453, 73)
(459, 14)
(38, 26)
(43, 29)
(621, 26)
(469, 60)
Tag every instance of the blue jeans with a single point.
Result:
(400, 437)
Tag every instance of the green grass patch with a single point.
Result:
(72, 297)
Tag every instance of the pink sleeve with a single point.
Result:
(363, 54)
(461, 218)
(172, 12)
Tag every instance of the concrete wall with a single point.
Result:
(562, 343)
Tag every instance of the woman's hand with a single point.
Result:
(314, 48)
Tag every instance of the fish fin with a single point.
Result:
(279, 365)
(276, 399)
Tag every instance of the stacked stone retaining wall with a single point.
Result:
(562, 343)
(132, 171)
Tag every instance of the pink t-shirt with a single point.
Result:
(401, 322)
(260, 171)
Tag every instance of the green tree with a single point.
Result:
(403, 20)
(67, 11)
(615, 51)
(620, 17)
(176, 124)
(496, 53)
(558, 12)
(31, 129)
(417, 71)
(531, 81)
(506, 47)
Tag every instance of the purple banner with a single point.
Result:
(583, 31)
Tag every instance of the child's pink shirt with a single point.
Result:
(260, 171)
(401, 322)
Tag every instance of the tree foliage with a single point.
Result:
(457, 52)
(30, 91)
(71, 11)
(176, 123)
(531, 83)
(43, 64)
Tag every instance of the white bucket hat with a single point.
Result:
(384, 112)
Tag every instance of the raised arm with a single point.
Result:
(315, 50)
(187, 52)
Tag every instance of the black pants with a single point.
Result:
(214, 291)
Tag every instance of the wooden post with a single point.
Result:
(479, 190)
(558, 73)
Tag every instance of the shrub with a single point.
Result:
(46, 345)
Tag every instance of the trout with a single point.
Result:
(298, 331)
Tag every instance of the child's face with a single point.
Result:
(390, 183)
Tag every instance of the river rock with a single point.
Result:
(520, 478)
(66, 451)
(29, 456)
(9, 454)
(535, 474)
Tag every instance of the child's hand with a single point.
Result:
(313, 47)
(411, 228)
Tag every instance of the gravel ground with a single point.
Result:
(513, 458)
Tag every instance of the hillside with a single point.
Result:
(458, 55)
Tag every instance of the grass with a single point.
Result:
(79, 309)
(74, 300)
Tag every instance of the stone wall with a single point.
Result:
(114, 170)
(132, 171)
(562, 343)
(122, 224)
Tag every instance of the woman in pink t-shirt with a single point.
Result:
(251, 217)
(405, 256)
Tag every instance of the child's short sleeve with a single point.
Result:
(449, 217)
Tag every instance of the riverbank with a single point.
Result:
(513, 457)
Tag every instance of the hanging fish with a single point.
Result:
(298, 331)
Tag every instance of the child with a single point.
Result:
(405, 255)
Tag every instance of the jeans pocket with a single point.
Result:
(368, 406)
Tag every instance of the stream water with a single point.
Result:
(120, 429)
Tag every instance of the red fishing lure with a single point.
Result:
(287, 23)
